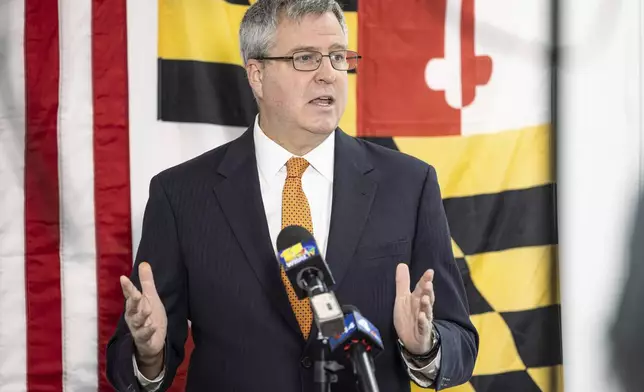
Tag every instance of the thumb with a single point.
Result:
(147, 280)
(402, 280)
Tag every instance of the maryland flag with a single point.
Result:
(461, 85)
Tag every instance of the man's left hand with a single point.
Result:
(413, 312)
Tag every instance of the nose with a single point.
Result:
(326, 73)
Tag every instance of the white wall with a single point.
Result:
(600, 157)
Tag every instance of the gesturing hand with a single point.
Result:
(145, 315)
(413, 312)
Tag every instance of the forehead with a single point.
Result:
(311, 31)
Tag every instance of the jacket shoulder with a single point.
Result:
(388, 159)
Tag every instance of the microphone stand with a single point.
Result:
(324, 371)
(362, 364)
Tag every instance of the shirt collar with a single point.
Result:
(271, 157)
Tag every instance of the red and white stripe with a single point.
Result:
(66, 219)
(42, 196)
(111, 164)
(13, 335)
(77, 212)
(65, 223)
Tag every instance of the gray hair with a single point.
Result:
(259, 24)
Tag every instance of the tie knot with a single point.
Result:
(295, 167)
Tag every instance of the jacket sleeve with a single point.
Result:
(160, 247)
(432, 248)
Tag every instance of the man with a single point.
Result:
(211, 224)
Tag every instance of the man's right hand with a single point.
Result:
(146, 318)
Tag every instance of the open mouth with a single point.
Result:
(324, 100)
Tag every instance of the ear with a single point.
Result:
(255, 74)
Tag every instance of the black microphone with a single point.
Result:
(311, 277)
(361, 344)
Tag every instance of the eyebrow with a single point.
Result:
(332, 47)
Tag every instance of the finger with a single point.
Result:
(133, 300)
(138, 311)
(131, 307)
(432, 296)
(425, 305)
(423, 324)
(147, 279)
(415, 305)
(139, 319)
(424, 289)
(428, 276)
(128, 288)
(124, 286)
(145, 309)
(402, 280)
(425, 283)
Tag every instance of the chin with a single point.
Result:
(322, 130)
(322, 126)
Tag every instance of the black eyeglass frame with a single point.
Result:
(292, 59)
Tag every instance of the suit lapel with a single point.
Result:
(240, 198)
(354, 187)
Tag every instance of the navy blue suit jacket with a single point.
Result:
(206, 238)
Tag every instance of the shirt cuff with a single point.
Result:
(146, 384)
(424, 372)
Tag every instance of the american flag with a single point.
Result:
(71, 191)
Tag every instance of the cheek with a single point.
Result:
(287, 94)
(343, 86)
(274, 93)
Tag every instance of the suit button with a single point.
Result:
(306, 362)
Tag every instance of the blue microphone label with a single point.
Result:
(349, 327)
(366, 326)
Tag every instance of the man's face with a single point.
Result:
(311, 101)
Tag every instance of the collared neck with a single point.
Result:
(271, 157)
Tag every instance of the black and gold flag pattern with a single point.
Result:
(498, 184)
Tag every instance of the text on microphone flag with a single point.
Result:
(297, 253)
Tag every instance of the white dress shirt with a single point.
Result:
(317, 183)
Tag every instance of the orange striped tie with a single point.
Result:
(296, 211)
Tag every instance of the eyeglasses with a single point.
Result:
(342, 60)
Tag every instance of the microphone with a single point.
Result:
(361, 344)
(310, 276)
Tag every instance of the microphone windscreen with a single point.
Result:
(292, 235)
(349, 309)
